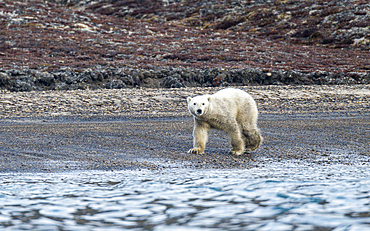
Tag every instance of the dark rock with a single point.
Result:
(87, 76)
(229, 21)
(20, 85)
(116, 84)
(123, 76)
(174, 81)
(61, 86)
(16, 73)
(43, 78)
(68, 77)
(4, 79)
(167, 77)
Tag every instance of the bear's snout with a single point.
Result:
(199, 111)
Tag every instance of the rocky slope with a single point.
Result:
(328, 23)
(71, 44)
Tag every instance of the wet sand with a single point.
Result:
(151, 129)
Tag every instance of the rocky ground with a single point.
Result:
(152, 103)
(110, 129)
(71, 44)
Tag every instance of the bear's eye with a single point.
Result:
(202, 103)
(195, 104)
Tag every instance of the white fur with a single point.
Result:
(231, 110)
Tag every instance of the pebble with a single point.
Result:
(160, 102)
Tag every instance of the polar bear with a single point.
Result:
(231, 110)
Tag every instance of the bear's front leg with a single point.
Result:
(200, 137)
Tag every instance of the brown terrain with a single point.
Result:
(72, 44)
(102, 84)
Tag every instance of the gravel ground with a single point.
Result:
(150, 128)
(149, 103)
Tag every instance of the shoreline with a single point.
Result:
(152, 102)
(61, 131)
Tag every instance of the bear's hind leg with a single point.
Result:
(252, 139)
(237, 142)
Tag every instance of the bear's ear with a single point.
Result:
(188, 99)
(209, 98)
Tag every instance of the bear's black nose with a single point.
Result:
(199, 111)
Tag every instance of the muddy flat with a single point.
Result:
(297, 127)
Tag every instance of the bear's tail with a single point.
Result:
(252, 139)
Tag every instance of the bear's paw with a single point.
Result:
(196, 151)
(236, 153)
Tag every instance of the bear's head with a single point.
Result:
(199, 105)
